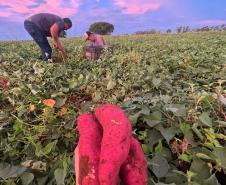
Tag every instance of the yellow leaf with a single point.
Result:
(32, 107)
(46, 111)
(49, 102)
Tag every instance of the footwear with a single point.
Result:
(50, 60)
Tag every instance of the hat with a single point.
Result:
(87, 34)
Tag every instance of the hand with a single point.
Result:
(60, 49)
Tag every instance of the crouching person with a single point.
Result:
(93, 50)
(43, 25)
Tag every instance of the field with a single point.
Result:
(172, 87)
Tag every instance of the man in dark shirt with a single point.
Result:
(43, 25)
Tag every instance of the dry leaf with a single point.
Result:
(62, 112)
(32, 107)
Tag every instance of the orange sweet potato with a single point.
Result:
(88, 150)
(115, 143)
(134, 170)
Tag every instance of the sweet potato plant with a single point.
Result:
(172, 87)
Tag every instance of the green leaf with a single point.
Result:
(48, 148)
(38, 149)
(160, 166)
(153, 137)
(153, 119)
(73, 83)
(185, 128)
(42, 180)
(18, 126)
(161, 183)
(220, 156)
(60, 101)
(221, 123)
(201, 168)
(174, 177)
(145, 110)
(205, 119)
(177, 109)
(34, 89)
(133, 118)
(59, 175)
(158, 148)
(203, 156)
(211, 181)
(9, 171)
(145, 149)
(185, 157)
(156, 82)
(27, 178)
(168, 133)
(197, 132)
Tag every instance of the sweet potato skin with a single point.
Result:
(134, 170)
(106, 150)
(88, 150)
(115, 143)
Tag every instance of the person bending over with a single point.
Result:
(43, 25)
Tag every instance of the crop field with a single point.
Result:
(172, 87)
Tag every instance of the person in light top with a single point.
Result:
(95, 39)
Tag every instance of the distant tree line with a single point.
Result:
(185, 29)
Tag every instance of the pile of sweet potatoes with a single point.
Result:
(106, 152)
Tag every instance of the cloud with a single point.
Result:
(17, 10)
(5, 14)
(138, 6)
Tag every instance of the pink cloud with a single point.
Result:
(4, 14)
(138, 6)
(17, 9)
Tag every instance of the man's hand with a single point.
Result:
(59, 47)
(54, 33)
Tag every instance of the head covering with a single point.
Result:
(87, 34)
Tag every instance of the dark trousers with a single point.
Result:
(39, 38)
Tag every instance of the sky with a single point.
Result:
(127, 16)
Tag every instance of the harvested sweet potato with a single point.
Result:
(134, 170)
(88, 150)
(115, 143)
(106, 150)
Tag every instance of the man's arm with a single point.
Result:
(54, 35)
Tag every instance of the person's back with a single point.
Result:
(99, 40)
(45, 20)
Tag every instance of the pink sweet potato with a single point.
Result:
(115, 143)
(134, 170)
(88, 150)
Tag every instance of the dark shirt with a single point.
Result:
(45, 20)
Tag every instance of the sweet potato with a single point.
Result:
(88, 150)
(134, 170)
(115, 143)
